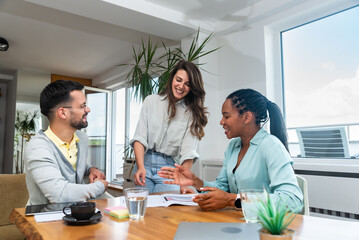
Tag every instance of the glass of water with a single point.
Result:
(136, 201)
(249, 200)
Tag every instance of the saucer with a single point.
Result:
(73, 221)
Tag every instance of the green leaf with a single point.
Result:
(275, 217)
(146, 67)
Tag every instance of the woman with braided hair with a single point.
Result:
(253, 159)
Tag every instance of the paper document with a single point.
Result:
(47, 217)
(166, 200)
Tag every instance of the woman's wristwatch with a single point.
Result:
(237, 202)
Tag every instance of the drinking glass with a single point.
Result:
(249, 200)
(136, 201)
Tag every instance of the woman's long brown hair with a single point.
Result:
(194, 99)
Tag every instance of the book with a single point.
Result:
(165, 200)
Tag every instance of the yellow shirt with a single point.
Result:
(68, 150)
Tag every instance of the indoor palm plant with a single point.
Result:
(275, 218)
(149, 75)
(25, 128)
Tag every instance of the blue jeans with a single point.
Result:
(153, 163)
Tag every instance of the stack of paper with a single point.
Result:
(48, 217)
(117, 212)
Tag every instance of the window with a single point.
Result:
(97, 131)
(127, 111)
(320, 68)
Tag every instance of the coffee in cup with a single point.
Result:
(80, 210)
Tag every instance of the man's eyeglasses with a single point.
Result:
(83, 106)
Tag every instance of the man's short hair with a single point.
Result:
(55, 93)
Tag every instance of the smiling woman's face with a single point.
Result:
(232, 122)
(180, 85)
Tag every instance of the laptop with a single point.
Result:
(217, 231)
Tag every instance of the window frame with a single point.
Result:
(273, 48)
(112, 162)
(108, 124)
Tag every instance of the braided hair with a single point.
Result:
(250, 100)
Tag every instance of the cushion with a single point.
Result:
(13, 194)
(10, 232)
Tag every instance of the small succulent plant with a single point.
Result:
(274, 217)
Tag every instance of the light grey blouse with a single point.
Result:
(170, 137)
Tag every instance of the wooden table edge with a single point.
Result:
(24, 226)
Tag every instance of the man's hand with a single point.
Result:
(140, 177)
(214, 199)
(105, 183)
(96, 174)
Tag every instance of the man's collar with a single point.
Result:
(57, 140)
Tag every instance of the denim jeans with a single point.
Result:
(153, 163)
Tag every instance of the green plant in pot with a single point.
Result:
(149, 75)
(25, 128)
(275, 218)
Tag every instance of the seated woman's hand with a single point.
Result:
(180, 175)
(187, 190)
(213, 199)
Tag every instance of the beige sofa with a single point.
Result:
(13, 194)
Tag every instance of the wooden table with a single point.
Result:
(161, 223)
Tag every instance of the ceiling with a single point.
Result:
(88, 38)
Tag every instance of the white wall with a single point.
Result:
(239, 63)
(30, 85)
(214, 142)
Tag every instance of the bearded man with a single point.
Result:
(56, 159)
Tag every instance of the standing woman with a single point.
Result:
(253, 159)
(170, 127)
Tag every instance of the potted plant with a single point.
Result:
(128, 166)
(274, 218)
(25, 128)
(149, 75)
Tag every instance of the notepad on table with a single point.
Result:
(117, 212)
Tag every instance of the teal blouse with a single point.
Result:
(266, 164)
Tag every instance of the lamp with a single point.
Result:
(4, 45)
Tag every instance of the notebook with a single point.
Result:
(217, 231)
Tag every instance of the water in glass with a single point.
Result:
(249, 200)
(136, 201)
(136, 207)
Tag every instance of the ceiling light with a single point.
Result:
(4, 45)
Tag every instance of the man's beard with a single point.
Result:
(80, 124)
